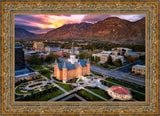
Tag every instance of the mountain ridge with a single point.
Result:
(112, 29)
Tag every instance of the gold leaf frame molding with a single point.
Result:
(10, 9)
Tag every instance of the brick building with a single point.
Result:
(139, 69)
(38, 46)
(71, 68)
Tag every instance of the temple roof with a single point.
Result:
(71, 66)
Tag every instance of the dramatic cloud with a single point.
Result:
(44, 23)
(95, 18)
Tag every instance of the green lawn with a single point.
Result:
(72, 80)
(18, 91)
(48, 75)
(67, 87)
(88, 96)
(108, 84)
(100, 92)
(49, 96)
(126, 85)
(37, 67)
(138, 96)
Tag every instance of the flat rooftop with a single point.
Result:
(140, 66)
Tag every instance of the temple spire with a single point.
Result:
(72, 51)
(88, 62)
(55, 63)
(64, 65)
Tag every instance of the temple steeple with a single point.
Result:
(72, 51)
(72, 58)
(55, 63)
(64, 65)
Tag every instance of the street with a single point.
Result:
(119, 75)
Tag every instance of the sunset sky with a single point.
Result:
(43, 23)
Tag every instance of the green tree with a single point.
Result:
(109, 61)
(132, 59)
(105, 65)
(50, 58)
(118, 62)
(97, 59)
(34, 60)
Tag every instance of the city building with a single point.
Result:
(52, 48)
(122, 50)
(60, 53)
(71, 68)
(21, 71)
(139, 69)
(38, 46)
(19, 58)
(104, 55)
(77, 50)
(132, 54)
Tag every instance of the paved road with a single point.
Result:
(128, 67)
(119, 75)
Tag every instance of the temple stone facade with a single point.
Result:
(71, 68)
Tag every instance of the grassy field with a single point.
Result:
(107, 83)
(138, 96)
(72, 80)
(88, 96)
(48, 96)
(67, 87)
(37, 67)
(18, 91)
(48, 75)
(100, 92)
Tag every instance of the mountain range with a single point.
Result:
(112, 29)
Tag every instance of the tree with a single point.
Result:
(34, 60)
(50, 58)
(105, 65)
(132, 59)
(117, 62)
(109, 61)
(97, 59)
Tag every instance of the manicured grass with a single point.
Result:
(49, 96)
(88, 96)
(126, 85)
(72, 80)
(100, 92)
(108, 84)
(67, 87)
(48, 75)
(138, 96)
(80, 80)
(37, 67)
(18, 91)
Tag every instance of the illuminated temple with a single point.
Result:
(71, 68)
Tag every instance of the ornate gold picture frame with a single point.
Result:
(10, 9)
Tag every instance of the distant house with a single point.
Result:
(139, 69)
(71, 68)
(122, 50)
(38, 46)
(104, 55)
(52, 49)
